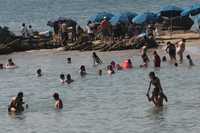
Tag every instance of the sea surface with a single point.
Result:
(37, 12)
(94, 104)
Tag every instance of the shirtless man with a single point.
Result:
(157, 93)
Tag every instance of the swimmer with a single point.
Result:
(83, 70)
(10, 62)
(164, 59)
(58, 103)
(130, 65)
(96, 59)
(157, 90)
(69, 79)
(157, 60)
(16, 104)
(100, 72)
(118, 67)
(110, 70)
(113, 64)
(190, 60)
(180, 49)
(39, 72)
(62, 78)
(69, 60)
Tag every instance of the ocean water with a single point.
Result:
(111, 104)
(38, 12)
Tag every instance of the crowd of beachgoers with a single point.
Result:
(175, 53)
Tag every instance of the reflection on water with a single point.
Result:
(94, 104)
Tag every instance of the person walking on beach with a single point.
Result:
(181, 49)
(105, 29)
(171, 50)
(157, 92)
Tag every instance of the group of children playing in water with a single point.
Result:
(157, 96)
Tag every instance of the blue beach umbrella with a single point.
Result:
(145, 18)
(170, 11)
(193, 10)
(100, 16)
(119, 18)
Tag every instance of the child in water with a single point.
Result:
(190, 60)
(118, 67)
(157, 60)
(58, 103)
(164, 59)
(69, 79)
(144, 56)
(83, 70)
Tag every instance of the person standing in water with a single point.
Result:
(82, 70)
(157, 60)
(17, 103)
(157, 92)
(190, 60)
(181, 49)
(171, 50)
(96, 59)
(62, 78)
(144, 56)
(58, 103)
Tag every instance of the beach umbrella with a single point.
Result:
(119, 18)
(193, 10)
(170, 11)
(145, 18)
(100, 16)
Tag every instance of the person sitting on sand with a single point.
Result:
(171, 50)
(157, 59)
(157, 90)
(69, 60)
(62, 78)
(39, 72)
(58, 103)
(110, 70)
(10, 62)
(96, 59)
(83, 70)
(69, 79)
(181, 49)
(190, 60)
(16, 104)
